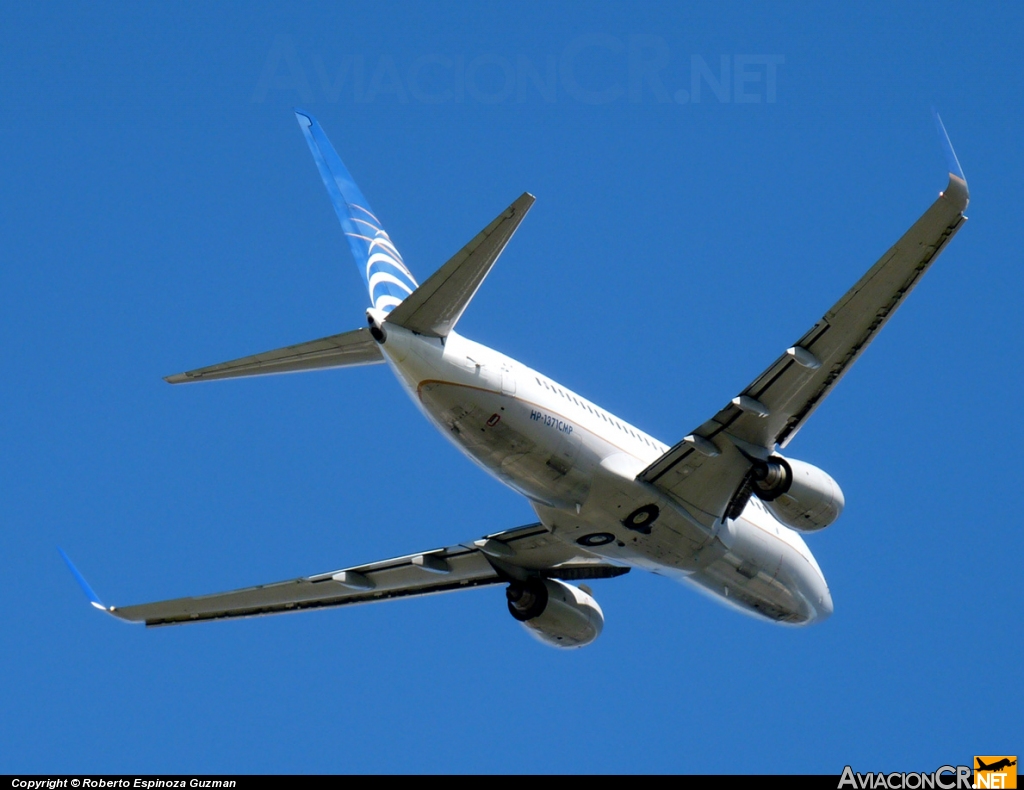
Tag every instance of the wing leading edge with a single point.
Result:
(494, 559)
(707, 467)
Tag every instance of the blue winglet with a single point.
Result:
(947, 148)
(385, 274)
(94, 599)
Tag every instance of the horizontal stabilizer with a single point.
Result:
(435, 307)
(337, 351)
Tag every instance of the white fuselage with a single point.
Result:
(577, 464)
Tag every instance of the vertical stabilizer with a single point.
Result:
(387, 279)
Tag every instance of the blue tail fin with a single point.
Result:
(387, 279)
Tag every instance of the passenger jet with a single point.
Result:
(722, 508)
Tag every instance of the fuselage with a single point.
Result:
(577, 464)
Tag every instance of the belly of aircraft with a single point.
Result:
(737, 562)
(543, 457)
(554, 464)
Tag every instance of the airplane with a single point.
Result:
(721, 509)
(998, 765)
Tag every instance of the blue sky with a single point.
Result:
(161, 211)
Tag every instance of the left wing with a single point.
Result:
(707, 469)
(494, 559)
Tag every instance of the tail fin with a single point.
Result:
(387, 279)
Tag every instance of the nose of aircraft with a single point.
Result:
(814, 593)
(813, 589)
(818, 596)
(824, 607)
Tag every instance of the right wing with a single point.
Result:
(708, 469)
(494, 559)
(337, 351)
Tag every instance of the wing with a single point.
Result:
(337, 351)
(708, 467)
(494, 559)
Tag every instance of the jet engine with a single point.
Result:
(798, 494)
(556, 613)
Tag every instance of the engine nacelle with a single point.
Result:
(798, 494)
(556, 613)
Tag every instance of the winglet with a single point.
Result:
(947, 148)
(957, 189)
(94, 599)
